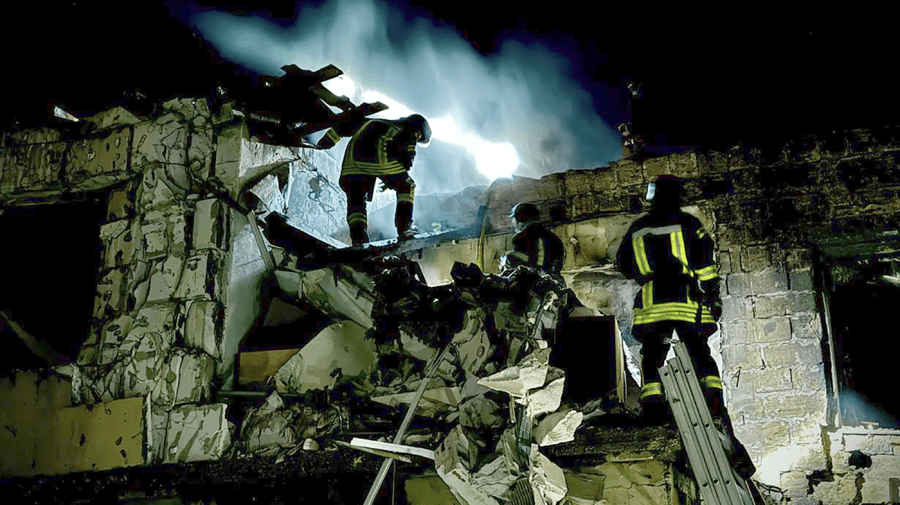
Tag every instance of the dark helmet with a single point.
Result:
(417, 122)
(665, 193)
(525, 212)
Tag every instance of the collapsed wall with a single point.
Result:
(182, 270)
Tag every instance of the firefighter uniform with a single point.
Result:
(379, 149)
(538, 247)
(671, 256)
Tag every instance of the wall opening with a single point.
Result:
(49, 261)
(864, 299)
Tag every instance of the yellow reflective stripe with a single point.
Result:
(646, 296)
(411, 148)
(711, 382)
(362, 168)
(701, 232)
(333, 135)
(640, 255)
(683, 251)
(707, 273)
(520, 255)
(540, 253)
(654, 317)
(357, 217)
(651, 389)
(403, 197)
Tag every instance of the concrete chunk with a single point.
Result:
(196, 433)
(517, 380)
(201, 277)
(341, 345)
(164, 279)
(558, 427)
(91, 162)
(546, 399)
(162, 140)
(348, 294)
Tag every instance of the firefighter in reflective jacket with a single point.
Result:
(671, 255)
(534, 245)
(380, 149)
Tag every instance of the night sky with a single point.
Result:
(548, 80)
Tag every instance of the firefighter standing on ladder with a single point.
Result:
(671, 255)
(380, 149)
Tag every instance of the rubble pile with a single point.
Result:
(489, 403)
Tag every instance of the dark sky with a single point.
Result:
(710, 77)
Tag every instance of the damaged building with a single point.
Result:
(235, 346)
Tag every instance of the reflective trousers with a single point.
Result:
(655, 341)
(360, 188)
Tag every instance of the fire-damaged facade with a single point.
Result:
(237, 343)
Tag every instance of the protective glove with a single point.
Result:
(715, 308)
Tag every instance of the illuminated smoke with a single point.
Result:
(516, 110)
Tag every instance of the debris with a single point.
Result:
(558, 427)
(454, 460)
(544, 400)
(378, 452)
(517, 380)
(395, 448)
(196, 433)
(255, 367)
(480, 412)
(342, 346)
(433, 400)
(547, 479)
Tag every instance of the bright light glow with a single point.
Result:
(492, 159)
(396, 109)
(341, 86)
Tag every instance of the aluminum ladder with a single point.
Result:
(718, 482)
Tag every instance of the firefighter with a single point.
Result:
(671, 255)
(381, 149)
(534, 244)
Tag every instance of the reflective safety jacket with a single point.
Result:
(672, 258)
(379, 147)
(538, 247)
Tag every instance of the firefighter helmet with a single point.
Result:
(525, 212)
(417, 123)
(665, 193)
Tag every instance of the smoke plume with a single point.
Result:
(518, 109)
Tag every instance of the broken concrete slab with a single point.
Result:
(342, 345)
(343, 292)
(111, 293)
(558, 427)
(268, 196)
(202, 326)
(196, 433)
(583, 489)
(517, 380)
(112, 336)
(120, 242)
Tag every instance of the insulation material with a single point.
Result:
(517, 380)
(341, 346)
(275, 428)
(454, 460)
(202, 327)
(479, 412)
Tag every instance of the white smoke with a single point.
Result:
(517, 109)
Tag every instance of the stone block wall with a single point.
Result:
(175, 254)
(768, 208)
